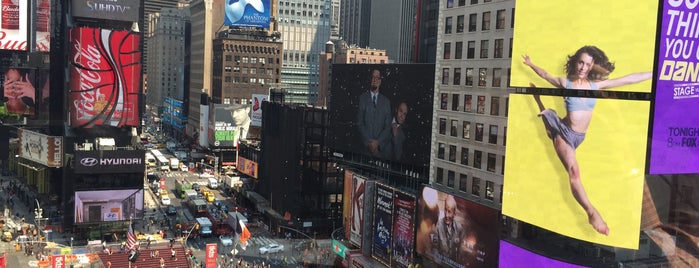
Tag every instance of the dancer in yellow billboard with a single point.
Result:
(587, 69)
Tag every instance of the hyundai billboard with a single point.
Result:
(109, 161)
(108, 205)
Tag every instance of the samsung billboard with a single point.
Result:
(121, 10)
(383, 111)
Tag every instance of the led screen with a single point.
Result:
(108, 205)
(514, 256)
(674, 146)
(609, 162)
(105, 78)
(397, 126)
(473, 239)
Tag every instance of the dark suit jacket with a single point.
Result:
(374, 122)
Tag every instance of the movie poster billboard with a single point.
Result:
(105, 78)
(674, 146)
(121, 10)
(366, 126)
(247, 167)
(383, 224)
(514, 256)
(40, 148)
(257, 100)
(357, 214)
(108, 205)
(609, 167)
(403, 229)
(473, 239)
(247, 13)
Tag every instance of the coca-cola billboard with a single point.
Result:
(105, 75)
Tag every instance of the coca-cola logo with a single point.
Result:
(89, 78)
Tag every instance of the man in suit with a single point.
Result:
(374, 118)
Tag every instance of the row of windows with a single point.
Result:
(245, 70)
(467, 104)
(450, 3)
(463, 184)
(466, 131)
(250, 49)
(484, 53)
(473, 20)
(227, 100)
(364, 60)
(482, 77)
(477, 158)
(245, 80)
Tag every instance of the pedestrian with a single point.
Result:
(157, 253)
(152, 254)
(162, 263)
(172, 253)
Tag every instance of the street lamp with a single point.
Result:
(71, 243)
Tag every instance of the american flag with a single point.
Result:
(130, 238)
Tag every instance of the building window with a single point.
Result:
(451, 177)
(457, 76)
(236, 69)
(491, 162)
(477, 155)
(440, 150)
(476, 187)
(445, 100)
(493, 134)
(450, 3)
(485, 21)
(473, 2)
(509, 74)
(245, 59)
(502, 170)
(497, 76)
(460, 24)
(472, 19)
(454, 102)
(467, 130)
(237, 59)
(227, 69)
(504, 136)
(500, 23)
(471, 50)
(445, 76)
(229, 57)
(479, 131)
(452, 153)
(440, 175)
(498, 48)
(494, 105)
(512, 20)
(484, 49)
(469, 77)
(454, 126)
(443, 126)
(507, 105)
(463, 182)
(464, 156)
(447, 51)
(458, 50)
(447, 25)
(467, 103)
(227, 79)
(482, 76)
(489, 190)
(227, 100)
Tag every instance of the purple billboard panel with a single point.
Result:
(675, 129)
(403, 218)
(513, 256)
(455, 232)
(383, 220)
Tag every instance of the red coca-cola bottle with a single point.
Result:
(10, 14)
(43, 16)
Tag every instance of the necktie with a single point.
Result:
(374, 99)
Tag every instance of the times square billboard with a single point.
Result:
(105, 78)
(121, 10)
(14, 27)
(247, 13)
(25, 92)
(397, 126)
(581, 94)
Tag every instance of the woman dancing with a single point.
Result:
(587, 69)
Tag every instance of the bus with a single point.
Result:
(163, 162)
(150, 159)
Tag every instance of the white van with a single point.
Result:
(213, 183)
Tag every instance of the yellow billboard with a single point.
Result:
(549, 31)
(604, 205)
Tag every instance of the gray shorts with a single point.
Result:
(557, 128)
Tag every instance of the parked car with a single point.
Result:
(271, 248)
(225, 240)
